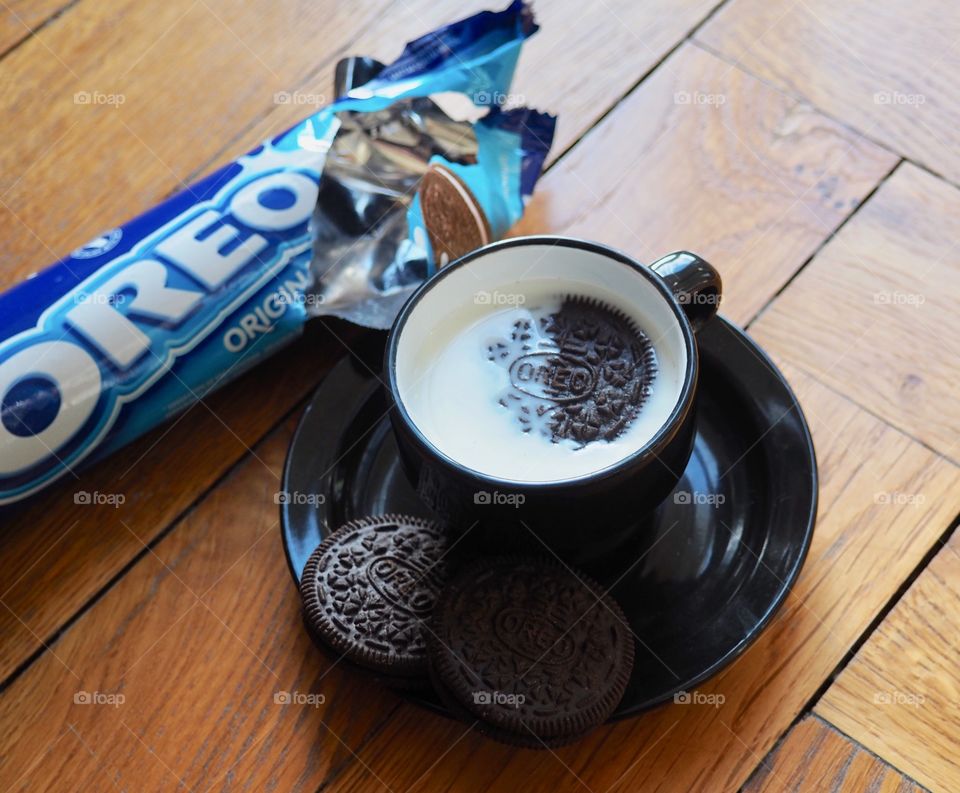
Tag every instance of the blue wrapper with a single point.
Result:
(147, 318)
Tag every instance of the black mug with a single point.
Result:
(676, 295)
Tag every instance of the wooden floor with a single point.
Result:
(809, 148)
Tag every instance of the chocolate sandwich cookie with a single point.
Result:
(455, 221)
(539, 655)
(620, 363)
(592, 380)
(368, 588)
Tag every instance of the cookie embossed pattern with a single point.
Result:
(367, 589)
(538, 654)
(580, 374)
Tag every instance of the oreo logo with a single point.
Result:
(557, 378)
(588, 365)
(403, 584)
(533, 635)
(106, 341)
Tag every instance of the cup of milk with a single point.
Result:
(549, 381)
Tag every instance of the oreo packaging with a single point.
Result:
(344, 214)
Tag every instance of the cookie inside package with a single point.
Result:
(414, 164)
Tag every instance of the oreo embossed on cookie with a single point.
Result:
(591, 383)
(535, 652)
(367, 589)
(454, 219)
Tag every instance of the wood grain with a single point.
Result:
(56, 554)
(814, 756)
(94, 545)
(198, 81)
(708, 158)
(204, 630)
(886, 67)
(198, 638)
(861, 552)
(581, 62)
(900, 695)
(874, 315)
(191, 76)
(19, 18)
(99, 546)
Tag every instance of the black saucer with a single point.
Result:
(705, 578)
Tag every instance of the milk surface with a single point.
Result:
(476, 396)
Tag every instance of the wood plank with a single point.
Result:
(887, 67)
(861, 553)
(860, 168)
(94, 543)
(814, 756)
(198, 701)
(98, 543)
(900, 695)
(618, 39)
(195, 77)
(198, 639)
(56, 554)
(20, 18)
(168, 690)
(708, 158)
(874, 315)
(191, 76)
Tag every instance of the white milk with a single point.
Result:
(469, 407)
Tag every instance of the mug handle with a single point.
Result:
(695, 284)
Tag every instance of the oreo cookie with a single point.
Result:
(454, 219)
(599, 345)
(367, 590)
(581, 372)
(537, 654)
